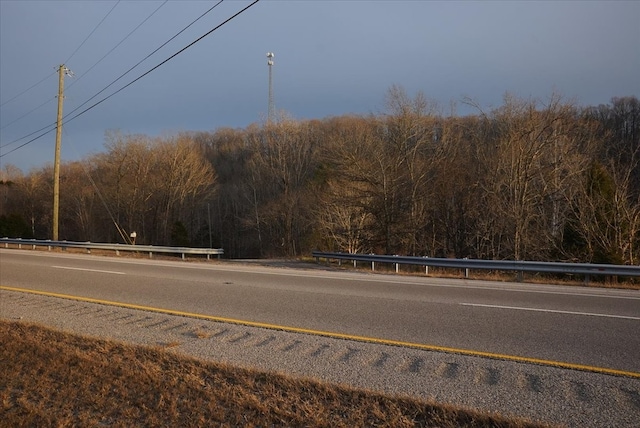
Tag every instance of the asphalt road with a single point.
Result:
(587, 326)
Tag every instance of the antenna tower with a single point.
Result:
(271, 108)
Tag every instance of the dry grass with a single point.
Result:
(49, 378)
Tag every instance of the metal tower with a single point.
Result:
(271, 108)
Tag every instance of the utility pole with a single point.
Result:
(271, 107)
(62, 70)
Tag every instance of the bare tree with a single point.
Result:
(342, 215)
(607, 215)
(124, 177)
(527, 163)
(78, 201)
(283, 163)
(181, 177)
(27, 197)
(528, 180)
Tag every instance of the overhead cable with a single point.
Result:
(93, 31)
(32, 140)
(118, 44)
(109, 85)
(51, 99)
(139, 77)
(23, 116)
(77, 79)
(27, 90)
(36, 84)
(144, 59)
(162, 63)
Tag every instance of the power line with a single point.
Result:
(145, 58)
(85, 73)
(27, 90)
(165, 61)
(25, 115)
(49, 100)
(30, 141)
(45, 78)
(136, 79)
(93, 31)
(119, 43)
(109, 85)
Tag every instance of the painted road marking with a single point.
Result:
(553, 311)
(89, 270)
(467, 352)
(265, 270)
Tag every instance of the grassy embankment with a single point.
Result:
(49, 378)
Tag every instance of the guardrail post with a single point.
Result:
(519, 276)
(397, 264)
(466, 270)
(150, 255)
(373, 265)
(355, 263)
(183, 256)
(426, 267)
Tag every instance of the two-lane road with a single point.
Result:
(576, 325)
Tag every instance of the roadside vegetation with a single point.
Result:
(49, 378)
(527, 180)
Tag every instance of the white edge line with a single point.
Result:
(89, 270)
(506, 288)
(552, 311)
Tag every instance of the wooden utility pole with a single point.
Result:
(56, 163)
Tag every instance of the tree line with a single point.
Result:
(528, 180)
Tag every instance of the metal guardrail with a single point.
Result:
(151, 249)
(501, 265)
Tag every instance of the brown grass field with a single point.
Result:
(53, 379)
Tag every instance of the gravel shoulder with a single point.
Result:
(538, 393)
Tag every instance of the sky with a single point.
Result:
(332, 58)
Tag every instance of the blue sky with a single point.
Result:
(331, 58)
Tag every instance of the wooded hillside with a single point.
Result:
(529, 180)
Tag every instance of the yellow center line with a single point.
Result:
(365, 339)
